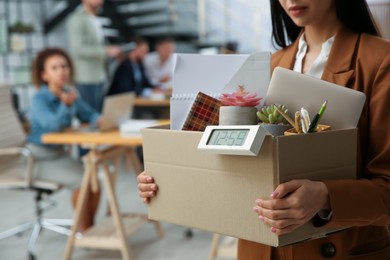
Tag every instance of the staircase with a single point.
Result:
(124, 19)
(192, 23)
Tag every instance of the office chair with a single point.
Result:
(17, 172)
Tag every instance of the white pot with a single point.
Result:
(231, 115)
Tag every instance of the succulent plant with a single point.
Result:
(240, 98)
(268, 114)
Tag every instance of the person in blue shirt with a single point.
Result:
(52, 110)
(54, 105)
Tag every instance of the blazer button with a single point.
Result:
(328, 250)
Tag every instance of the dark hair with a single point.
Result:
(138, 40)
(38, 65)
(165, 40)
(354, 14)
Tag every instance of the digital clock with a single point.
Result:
(235, 139)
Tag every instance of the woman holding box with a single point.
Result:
(337, 41)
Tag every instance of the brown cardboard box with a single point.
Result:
(217, 192)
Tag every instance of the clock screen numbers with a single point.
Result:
(231, 137)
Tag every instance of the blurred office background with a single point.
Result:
(197, 26)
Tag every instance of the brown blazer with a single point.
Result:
(360, 62)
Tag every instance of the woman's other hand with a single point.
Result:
(292, 204)
(68, 98)
(146, 187)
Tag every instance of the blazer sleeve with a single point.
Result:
(85, 112)
(145, 79)
(366, 201)
(122, 80)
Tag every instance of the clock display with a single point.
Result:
(231, 137)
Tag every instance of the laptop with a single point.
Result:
(296, 90)
(116, 110)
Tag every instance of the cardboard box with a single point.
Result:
(217, 192)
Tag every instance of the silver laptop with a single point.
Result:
(296, 90)
(116, 110)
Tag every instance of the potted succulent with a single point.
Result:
(272, 120)
(238, 108)
(20, 27)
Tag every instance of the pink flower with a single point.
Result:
(240, 98)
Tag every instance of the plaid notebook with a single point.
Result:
(204, 111)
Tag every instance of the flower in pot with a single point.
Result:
(238, 108)
(272, 120)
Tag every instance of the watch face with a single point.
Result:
(229, 137)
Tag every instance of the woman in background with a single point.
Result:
(52, 109)
(337, 41)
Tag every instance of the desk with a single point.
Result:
(145, 102)
(153, 108)
(112, 232)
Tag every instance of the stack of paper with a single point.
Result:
(132, 127)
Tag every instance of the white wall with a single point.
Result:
(381, 12)
(244, 21)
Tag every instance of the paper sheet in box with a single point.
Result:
(213, 75)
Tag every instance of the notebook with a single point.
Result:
(204, 111)
(213, 75)
(296, 90)
(116, 110)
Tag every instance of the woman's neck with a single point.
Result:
(89, 10)
(56, 90)
(317, 34)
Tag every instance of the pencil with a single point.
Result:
(287, 117)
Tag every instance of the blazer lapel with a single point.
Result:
(338, 67)
(288, 59)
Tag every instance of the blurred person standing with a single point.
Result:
(89, 53)
(159, 65)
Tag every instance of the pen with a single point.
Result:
(287, 117)
(317, 118)
(305, 120)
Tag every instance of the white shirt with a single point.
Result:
(155, 70)
(316, 70)
(318, 66)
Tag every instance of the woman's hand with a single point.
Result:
(68, 98)
(99, 121)
(146, 187)
(292, 204)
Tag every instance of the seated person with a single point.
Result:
(159, 64)
(52, 109)
(130, 75)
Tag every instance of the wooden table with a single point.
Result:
(155, 108)
(145, 102)
(111, 233)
